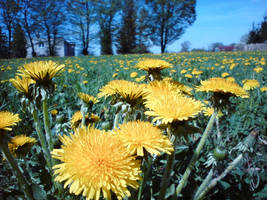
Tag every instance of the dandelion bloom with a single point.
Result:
(172, 108)
(128, 91)
(150, 65)
(54, 112)
(8, 119)
(41, 71)
(22, 84)
(95, 162)
(86, 98)
(139, 135)
(133, 74)
(250, 84)
(208, 111)
(77, 119)
(188, 76)
(20, 145)
(263, 89)
(221, 85)
(258, 69)
(224, 74)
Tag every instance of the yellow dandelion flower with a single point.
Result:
(86, 98)
(94, 162)
(133, 74)
(183, 71)
(221, 85)
(41, 71)
(20, 145)
(258, 69)
(128, 91)
(208, 111)
(141, 78)
(138, 136)
(153, 65)
(263, 89)
(54, 112)
(188, 76)
(115, 75)
(85, 82)
(250, 84)
(93, 118)
(171, 108)
(8, 119)
(76, 119)
(196, 72)
(22, 84)
(225, 74)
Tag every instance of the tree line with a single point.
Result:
(131, 26)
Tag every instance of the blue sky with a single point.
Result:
(220, 21)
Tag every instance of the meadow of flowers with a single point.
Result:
(166, 126)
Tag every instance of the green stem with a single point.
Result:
(21, 179)
(226, 171)
(204, 184)
(145, 175)
(248, 142)
(195, 156)
(125, 120)
(47, 125)
(42, 139)
(167, 172)
(116, 120)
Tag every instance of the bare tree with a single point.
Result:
(28, 21)
(169, 19)
(81, 17)
(50, 16)
(185, 46)
(106, 12)
(9, 10)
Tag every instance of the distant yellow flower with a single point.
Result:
(208, 111)
(85, 82)
(263, 89)
(183, 71)
(20, 145)
(133, 74)
(70, 70)
(196, 72)
(54, 112)
(94, 162)
(128, 91)
(221, 85)
(250, 84)
(258, 69)
(8, 119)
(141, 78)
(115, 75)
(225, 74)
(188, 76)
(77, 119)
(138, 136)
(171, 108)
(22, 84)
(86, 98)
(153, 65)
(41, 71)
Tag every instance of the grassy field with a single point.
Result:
(88, 74)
